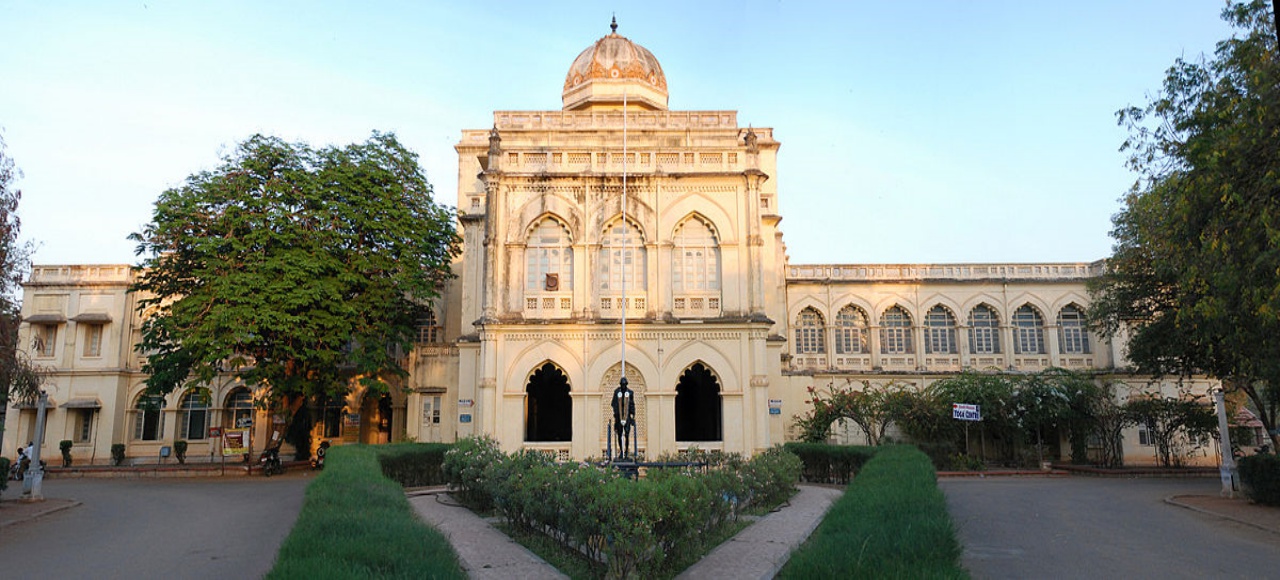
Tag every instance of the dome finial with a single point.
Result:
(614, 25)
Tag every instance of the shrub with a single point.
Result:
(414, 464)
(357, 523)
(65, 447)
(824, 463)
(117, 453)
(1260, 478)
(464, 470)
(892, 522)
(180, 450)
(4, 473)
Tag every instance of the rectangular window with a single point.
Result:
(44, 337)
(1144, 436)
(92, 340)
(83, 426)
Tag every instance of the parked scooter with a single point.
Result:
(270, 462)
(317, 462)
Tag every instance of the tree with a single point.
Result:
(872, 408)
(1194, 280)
(1175, 425)
(19, 378)
(294, 268)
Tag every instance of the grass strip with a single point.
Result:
(892, 522)
(357, 523)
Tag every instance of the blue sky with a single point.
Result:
(929, 131)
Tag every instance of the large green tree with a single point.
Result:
(19, 378)
(291, 267)
(1194, 281)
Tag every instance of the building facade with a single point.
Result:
(611, 229)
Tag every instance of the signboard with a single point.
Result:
(775, 403)
(466, 402)
(215, 432)
(965, 412)
(350, 420)
(775, 411)
(235, 442)
(464, 418)
(244, 422)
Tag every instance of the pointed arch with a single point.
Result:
(940, 330)
(699, 409)
(148, 417)
(548, 256)
(1073, 335)
(1028, 330)
(548, 408)
(984, 330)
(695, 257)
(811, 332)
(895, 331)
(851, 330)
(622, 256)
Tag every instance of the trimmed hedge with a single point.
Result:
(1260, 478)
(824, 463)
(414, 464)
(357, 523)
(636, 528)
(892, 522)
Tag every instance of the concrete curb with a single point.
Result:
(1173, 500)
(40, 513)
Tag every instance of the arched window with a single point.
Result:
(695, 263)
(699, 413)
(148, 418)
(984, 330)
(895, 332)
(810, 332)
(548, 258)
(1028, 329)
(851, 331)
(1072, 335)
(548, 406)
(239, 409)
(193, 414)
(939, 331)
(622, 257)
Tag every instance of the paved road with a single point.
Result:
(1101, 528)
(220, 528)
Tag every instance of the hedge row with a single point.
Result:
(414, 464)
(825, 463)
(357, 523)
(634, 527)
(892, 522)
(1260, 478)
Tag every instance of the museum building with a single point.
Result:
(611, 221)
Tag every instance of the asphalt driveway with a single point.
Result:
(1101, 528)
(228, 527)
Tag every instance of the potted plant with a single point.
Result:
(65, 447)
(180, 450)
(117, 453)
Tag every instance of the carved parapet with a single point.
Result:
(759, 381)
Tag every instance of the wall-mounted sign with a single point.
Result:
(466, 402)
(464, 418)
(775, 411)
(775, 403)
(351, 419)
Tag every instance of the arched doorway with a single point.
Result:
(548, 409)
(698, 415)
(375, 419)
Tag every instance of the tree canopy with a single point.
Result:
(295, 268)
(1194, 280)
(19, 378)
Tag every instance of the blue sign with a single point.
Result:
(464, 418)
(775, 411)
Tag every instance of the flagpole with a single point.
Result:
(625, 227)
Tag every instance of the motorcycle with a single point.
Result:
(270, 462)
(317, 462)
